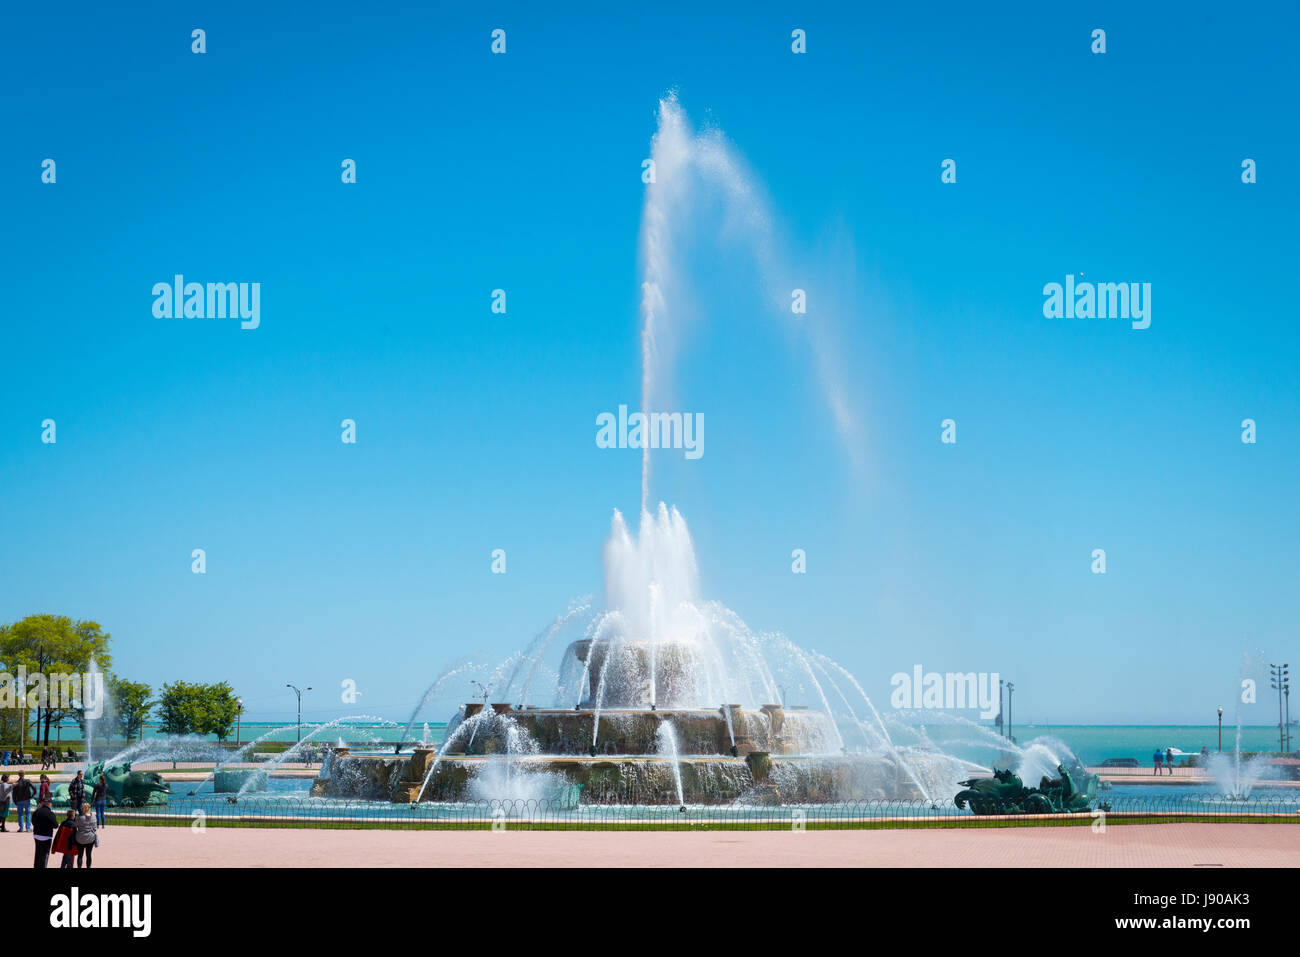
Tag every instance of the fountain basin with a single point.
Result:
(563, 781)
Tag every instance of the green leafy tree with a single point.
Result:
(53, 645)
(221, 710)
(179, 708)
(131, 702)
(191, 708)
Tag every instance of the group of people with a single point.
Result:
(76, 836)
(50, 758)
(1163, 759)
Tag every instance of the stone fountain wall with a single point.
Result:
(759, 778)
(699, 731)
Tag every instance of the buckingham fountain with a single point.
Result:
(660, 698)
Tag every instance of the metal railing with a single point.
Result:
(297, 811)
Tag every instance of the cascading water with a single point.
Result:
(668, 750)
(731, 731)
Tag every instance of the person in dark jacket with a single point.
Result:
(23, 792)
(100, 799)
(43, 824)
(77, 791)
(45, 793)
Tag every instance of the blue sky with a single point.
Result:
(476, 431)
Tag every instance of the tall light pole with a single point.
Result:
(1002, 711)
(299, 692)
(1220, 730)
(239, 713)
(1285, 690)
(1278, 679)
(1010, 691)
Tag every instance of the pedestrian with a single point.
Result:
(43, 824)
(100, 797)
(1169, 760)
(22, 794)
(77, 791)
(1157, 760)
(86, 836)
(44, 794)
(65, 840)
(6, 789)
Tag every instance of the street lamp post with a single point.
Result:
(1011, 689)
(239, 713)
(1286, 691)
(1220, 730)
(1002, 711)
(1278, 680)
(299, 692)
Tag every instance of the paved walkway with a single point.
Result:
(1160, 845)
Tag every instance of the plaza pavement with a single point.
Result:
(1130, 845)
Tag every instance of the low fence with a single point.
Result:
(297, 811)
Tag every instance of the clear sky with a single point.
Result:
(522, 171)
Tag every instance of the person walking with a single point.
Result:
(86, 836)
(100, 798)
(22, 794)
(77, 791)
(6, 789)
(45, 794)
(1169, 760)
(43, 824)
(65, 840)
(1157, 761)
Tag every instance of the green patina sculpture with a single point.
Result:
(126, 788)
(1005, 793)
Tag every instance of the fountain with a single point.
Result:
(627, 718)
(632, 712)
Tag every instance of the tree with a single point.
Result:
(179, 709)
(131, 702)
(190, 708)
(53, 647)
(222, 710)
